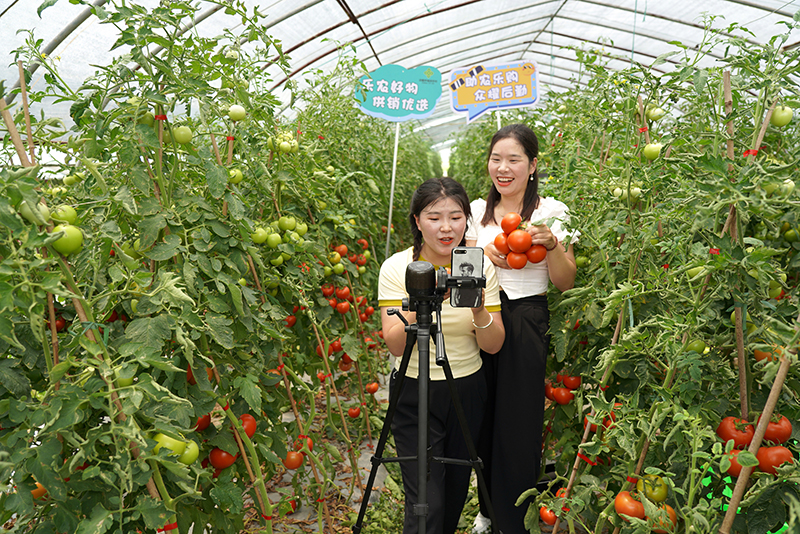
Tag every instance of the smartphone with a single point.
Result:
(466, 262)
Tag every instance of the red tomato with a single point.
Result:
(321, 376)
(343, 307)
(572, 382)
(510, 222)
(319, 350)
(202, 422)
(548, 391)
(779, 432)
(249, 424)
(221, 459)
(342, 292)
(327, 290)
(61, 324)
(673, 517)
(111, 318)
(364, 243)
(563, 395)
(346, 358)
(369, 310)
(586, 422)
(736, 468)
(361, 259)
(290, 321)
(298, 444)
(352, 258)
(294, 309)
(516, 260)
(519, 241)
(626, 505)
(293, 459)
(547, 515)
(344, 366)
(354, 412)
(190, 376)
(333, 302)
(739, 430)
(342, 250)
(336, 345)
(372, 388)
(536, 253)
(771, 457)
(363, 317)
(501, 243)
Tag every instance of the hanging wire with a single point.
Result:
(644, 16)
(552, 56)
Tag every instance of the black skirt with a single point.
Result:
(510, 442)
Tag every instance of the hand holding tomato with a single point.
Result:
(542, 235)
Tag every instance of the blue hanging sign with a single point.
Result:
(395, 94)
(482, 88)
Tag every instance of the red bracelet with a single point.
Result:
(554, 246)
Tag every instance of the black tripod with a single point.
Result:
(424, 303)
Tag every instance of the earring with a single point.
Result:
(531, 178)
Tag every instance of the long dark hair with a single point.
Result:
(530, 144)
(427, 193)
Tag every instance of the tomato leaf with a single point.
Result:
(98, 523)
(251, 392)
(216, 179)
(219, 328)
(747, 459)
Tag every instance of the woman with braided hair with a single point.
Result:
(438, 216)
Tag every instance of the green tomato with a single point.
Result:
(73, 179)
(285, 147)
(787, 187)
(128, 249)
(301, 228)
(277, 260)
(148, 119)
(259, 236)
(28, 214)
(790, 235)
(581, 261)
(65, 213)
(176, 446)
(652, 150)
(124, 382)
(367, 254)
(694, 271)
(235, 176)
(237, 113)
(697, 345)
(653, 486)
(774, 292)
(243, 282)
(781, 116)
(273, 240)
(338, 268)
(322, 204)
(287, 223)
(655, 114)
(190, 454)
(327, 271)
(135, 306)
(70, 242)
(362, 269)
(183, 134)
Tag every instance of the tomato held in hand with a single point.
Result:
(536, 253)
(221, 459)
(563, 395)
(293, 460)
(771, 457)
(519, 241)
(501, 243)
(516, 260)
(248, 424)
(739, 430)
(626, 505)
(510, 222)
(778, 432)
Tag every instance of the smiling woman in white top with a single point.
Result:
(511, 437)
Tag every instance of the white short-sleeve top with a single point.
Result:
(533, 278)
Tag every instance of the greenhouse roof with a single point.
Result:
(445, 34)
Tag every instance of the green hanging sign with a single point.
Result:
(396, 94)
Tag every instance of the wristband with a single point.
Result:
(491, 320)
(554, 246)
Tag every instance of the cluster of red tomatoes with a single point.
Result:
(628, 504)
(559, 394)
(779, 430)
(219, 458)
(516, 243)
(342, 299)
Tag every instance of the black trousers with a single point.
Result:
(447, 484)
(510, 442)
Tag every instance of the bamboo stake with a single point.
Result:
(726, 84)
(643, 122)
(24, 90)
(14, 134)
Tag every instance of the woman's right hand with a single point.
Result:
(494, 255)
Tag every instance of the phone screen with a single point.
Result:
(466, 262)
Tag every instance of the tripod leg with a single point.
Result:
(377, 458)
(473, 454)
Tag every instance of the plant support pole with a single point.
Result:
(391, 190)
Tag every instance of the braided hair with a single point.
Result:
(430, 191)
(530, 144)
